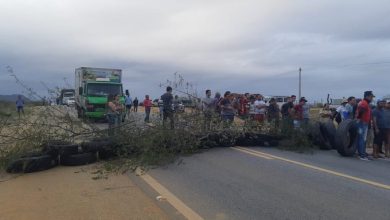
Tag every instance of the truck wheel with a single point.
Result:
(347, 138)
(78, 159)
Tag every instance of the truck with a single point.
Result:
(93, 86)
(66, 97)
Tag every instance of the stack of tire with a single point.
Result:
(343, 139)
(323, 134)
(249, 139)
(347, 138)
(62, 153)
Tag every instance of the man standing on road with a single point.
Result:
(128, 103)
(227, 109)
(148, 106)
(167, 99)
(135, 103)
(363, 114)
(273, 113)
(260, 108)
(379, 128)
(208, 109)
(20, 105)
(306, 113)
(349, 114)
(287, 109)
(386, 117)
(298, 112)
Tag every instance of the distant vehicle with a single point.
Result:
(71, 101)
(280, 100)
(65, 95)
(93, 85)
(178, 107)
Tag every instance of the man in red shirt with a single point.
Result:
(148, 107)
(363, 114)
(298, 112)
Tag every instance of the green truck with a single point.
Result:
(92, 87)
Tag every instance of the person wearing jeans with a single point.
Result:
(147, 105)
(362, 139)
(363, 114)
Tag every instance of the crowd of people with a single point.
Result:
(293, 114)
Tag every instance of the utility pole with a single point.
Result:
(300, 83)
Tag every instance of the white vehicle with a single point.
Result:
(70, 101)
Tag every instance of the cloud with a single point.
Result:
(253, 45)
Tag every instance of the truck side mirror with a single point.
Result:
(80, 90)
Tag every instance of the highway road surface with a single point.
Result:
(267, 183)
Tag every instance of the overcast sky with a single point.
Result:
(343, 47)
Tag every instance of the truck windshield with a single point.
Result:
(69, 94)
(104, 89)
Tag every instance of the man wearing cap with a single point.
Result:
(298, 112)
(379, 127)
(363, 114)
(341, 111)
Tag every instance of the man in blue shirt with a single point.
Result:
(167, 99)
(20, 105)
(379, 128)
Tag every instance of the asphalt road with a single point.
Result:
(224, 183)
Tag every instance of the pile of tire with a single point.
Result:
(62, 153)
(323, 134)
(347, 138)
(250, 139)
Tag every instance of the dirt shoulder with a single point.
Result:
(71, 193)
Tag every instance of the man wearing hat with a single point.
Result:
(363, 114)
(340, 116)
(298, 110)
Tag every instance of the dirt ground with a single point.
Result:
(71, 193)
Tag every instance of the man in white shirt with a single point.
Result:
(260, 108)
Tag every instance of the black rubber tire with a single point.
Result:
(105, 154)
(325, 137)
(346, 138)
(226, 140)
(78, 159)
(330, 129)
(92, 146)
(64, 150)
(273, 143)
(316, 136)
(32, 164)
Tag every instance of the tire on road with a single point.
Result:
(92, 146)
(78, 159)
(64, 150)
(316, 136)
(326, 136)
(105, 154)
(273, 143)
(29, 164)
(347, 138)
(330, 129)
